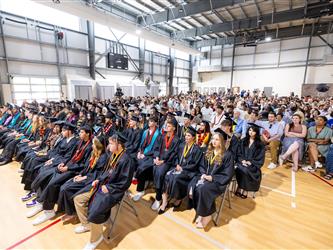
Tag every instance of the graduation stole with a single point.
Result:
(167, 142)
(184, 130)
(201, 138)
(80, 151)
(115, 159)
(107, 128)
(147, 138)
(187, 148)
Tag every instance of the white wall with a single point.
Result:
(283, 80)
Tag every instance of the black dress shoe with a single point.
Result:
(160, 211)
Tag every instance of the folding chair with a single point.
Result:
(128, 201)
(219, 210)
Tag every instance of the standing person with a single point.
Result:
(94, 206)
(293, 142)
(250, 159)
(216, 171)
(185, 168)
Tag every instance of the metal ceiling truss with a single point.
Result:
(253, 37)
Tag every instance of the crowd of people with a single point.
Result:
(84, 155)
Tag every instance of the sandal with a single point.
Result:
(328, 177)
(243, 196)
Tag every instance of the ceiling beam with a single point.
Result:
(187, 10)
(296, 31)
(248, 23)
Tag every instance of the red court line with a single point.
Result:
(322, 179)
(33, 235)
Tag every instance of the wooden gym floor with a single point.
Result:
(291, 211)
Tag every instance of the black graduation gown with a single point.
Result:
(176, 184)
(233, 145)
(249, 178)
(32, 162)
(50, 193)
(168, 156)
(70, 188)
(117, 181)
(147, 162)
(133, 141)
(64, 154)
(204, 195)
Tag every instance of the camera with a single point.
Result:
(119, 92)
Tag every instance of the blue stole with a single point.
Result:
(150, 146)
(15, 118)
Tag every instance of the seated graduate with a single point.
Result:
(231, 140)
(185, 168)
(203, 135)
(49, 182)
(94, 206)
(145, 156)
(164, 157)
(35, 141)
(36, 177)
(34, 159)
(183, 129)
(250, 159)
(216, 171)
(12, 141)
(93, 167)
(133, 135)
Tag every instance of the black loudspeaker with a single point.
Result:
(322, 88)
(117, 61)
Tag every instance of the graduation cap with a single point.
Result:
(121, 137)
(251, 124)
(109, 115)
(220, 131)
(188, 116)
(52, 119)
(135, 118)
(191, 130)
(101, 139)
(232, 121)
(171, 114)
(68, 102)
(69, 126)
(163, 108)
(60, 123)
(174, 122)
(153, 118)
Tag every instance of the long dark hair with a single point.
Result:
(247, 137)
(292, 125)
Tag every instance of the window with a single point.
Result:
(35, 88)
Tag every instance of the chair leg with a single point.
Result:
(216, 219)
(131, 206)
(114, 219)
(229, 199)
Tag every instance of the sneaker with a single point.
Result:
(82, 229)
(47, 215)
(32, 203)
(271, 165)
(92, 246)
(29, 196)
(38, 208)
(318, 164)
(281, 160)
(308, 168)
(138, 196)
(156, 205)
